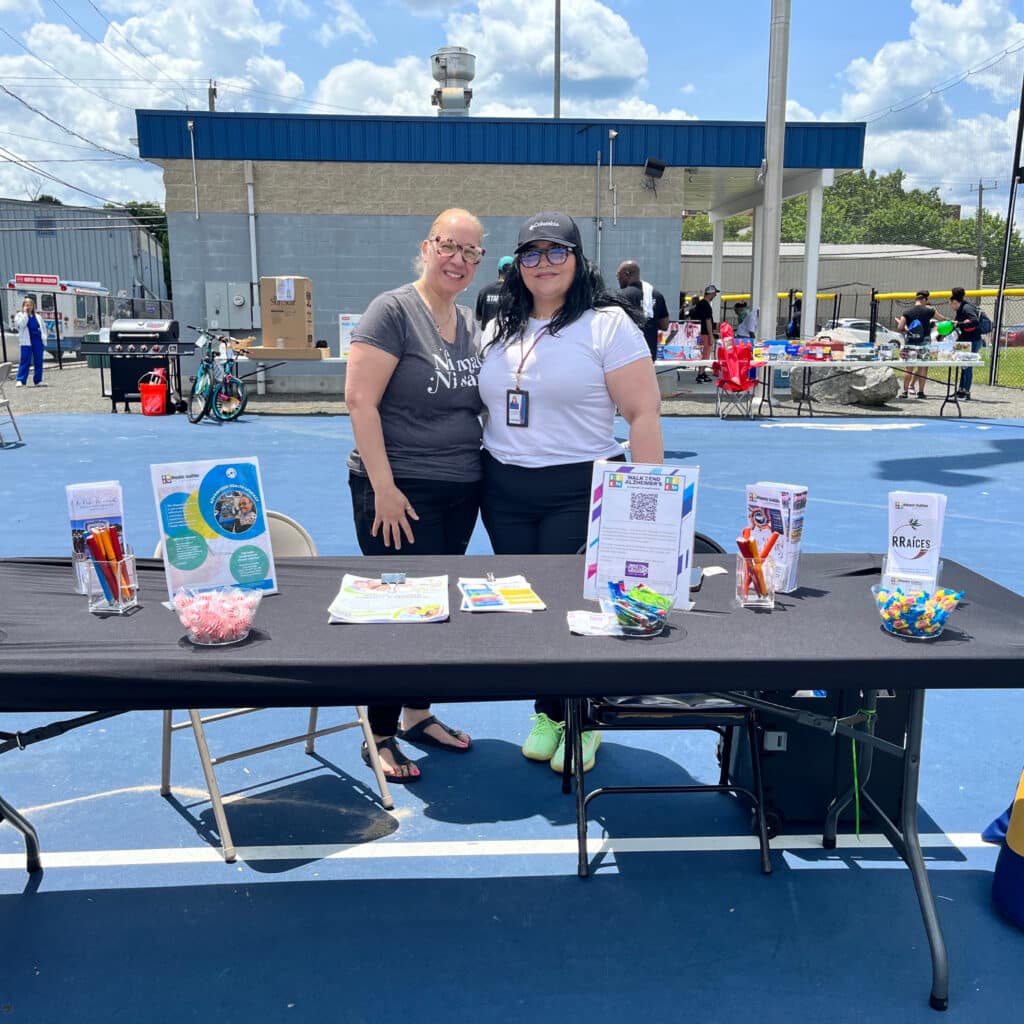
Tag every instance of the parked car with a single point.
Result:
(862, 328)
(1013, 336)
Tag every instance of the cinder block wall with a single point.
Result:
(355, 229)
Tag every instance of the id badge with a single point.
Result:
(517, 406)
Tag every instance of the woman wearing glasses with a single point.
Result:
(411, 392)
(558, 359)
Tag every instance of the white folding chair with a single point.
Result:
(288, 539)
(6, 415)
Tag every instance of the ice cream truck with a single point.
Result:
(72, 308)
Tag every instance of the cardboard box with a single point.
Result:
(267, 354)
(286, 308)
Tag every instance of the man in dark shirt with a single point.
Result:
(705, 316)
(645, 297)
(965, 314)
(916, 327)
(487, 300)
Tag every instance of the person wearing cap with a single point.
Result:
(744, 321)
(705, 316)
(559, 358)
(487, 299)
(411, 392)
(645, 297)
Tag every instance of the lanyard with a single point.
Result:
(526, 355)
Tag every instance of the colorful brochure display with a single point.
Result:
(641, 529)
(93, 506)
(213, 525)
(915, 539)
(778, 508)
(347, 323)
(502, 594)
(363, 599)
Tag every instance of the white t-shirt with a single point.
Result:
(570, 413)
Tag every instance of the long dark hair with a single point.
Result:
(587, 291)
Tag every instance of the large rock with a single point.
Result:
(831, 385)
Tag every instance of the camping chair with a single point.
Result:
(685, 711)
(5, 404)
(735, 380)
(288, 538)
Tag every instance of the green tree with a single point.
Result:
(152, 217)
(697, 227)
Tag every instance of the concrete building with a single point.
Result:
(81, 243)
(346, 201)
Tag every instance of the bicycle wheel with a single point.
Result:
(229, 399)
(199, 397)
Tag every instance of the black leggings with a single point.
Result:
(537, 512)
(447, 512)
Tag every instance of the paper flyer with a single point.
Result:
(779, 508)
(98, 505)
(915, 535)
(213, 526)
(363, 599)
(502, 594)
(347, 323)
(642, 521)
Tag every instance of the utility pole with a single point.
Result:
(557, 104)
(211, 95)
(979, 237)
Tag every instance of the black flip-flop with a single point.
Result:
(418, 734)
(399, 758)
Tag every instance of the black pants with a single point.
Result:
(447, 512)
(537, 512)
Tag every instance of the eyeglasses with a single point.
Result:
(556, 256)
(446, 247)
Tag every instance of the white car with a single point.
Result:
(862, 329)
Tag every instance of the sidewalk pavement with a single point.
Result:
(76, 389)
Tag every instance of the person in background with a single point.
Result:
(965, 315)
(558, 359)
(702, 312)
(793, 326)
(746, 322)
(411, 392)
(487, 299)
(915, 324)
(645, 297)
(31, 333)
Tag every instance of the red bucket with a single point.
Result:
(153, 392)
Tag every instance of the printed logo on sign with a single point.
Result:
(638, 570)
(616, 480)
(671, 483)
(167, 479)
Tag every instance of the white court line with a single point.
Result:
(484, 848)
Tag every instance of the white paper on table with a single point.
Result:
(641, 528)
(915, 532)
(502, 594)
(364, 599)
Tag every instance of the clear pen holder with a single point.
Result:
(80, 572)
(113, 586)
(755, 582)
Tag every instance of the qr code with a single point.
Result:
(643, 508)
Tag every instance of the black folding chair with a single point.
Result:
(665, 711)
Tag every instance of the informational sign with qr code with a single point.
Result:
(642, 521)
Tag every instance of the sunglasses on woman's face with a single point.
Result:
(556, 256)
(446, 247)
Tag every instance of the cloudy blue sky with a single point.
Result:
(938, 83)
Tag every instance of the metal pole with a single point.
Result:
(191, 125)
(597, 207)
(978, 236)
(774, 159)
(3, 333)
(558, 59)
(1015, 178)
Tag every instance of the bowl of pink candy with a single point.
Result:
(215, 617)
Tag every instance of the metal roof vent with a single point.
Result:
(453, 68)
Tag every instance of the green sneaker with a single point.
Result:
(591, 741)
(544, 738)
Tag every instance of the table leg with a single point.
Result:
(805, 392)
(952, 386)
(766, 390)
(24, 826)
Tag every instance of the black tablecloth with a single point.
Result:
(56, 656)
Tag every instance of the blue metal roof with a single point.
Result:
(163, 134)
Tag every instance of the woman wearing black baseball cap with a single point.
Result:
(558, 360)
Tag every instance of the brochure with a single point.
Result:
(504, 594)
(364, 599)
(641, 529)
(347, 323)
(779, 508)
(91, 506)
(213, 526)
(915, 538)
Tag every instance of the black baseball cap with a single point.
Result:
(549, 226)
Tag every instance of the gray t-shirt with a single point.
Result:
(430, 409)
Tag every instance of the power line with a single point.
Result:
(28, 166)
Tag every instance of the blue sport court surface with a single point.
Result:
(464, 902)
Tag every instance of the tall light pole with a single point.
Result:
(774, 159)
(558, 58)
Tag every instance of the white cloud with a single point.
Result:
(401, 88)
(26, 8)
(344, 21)
(294, 9)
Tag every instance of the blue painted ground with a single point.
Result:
(347, 912)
